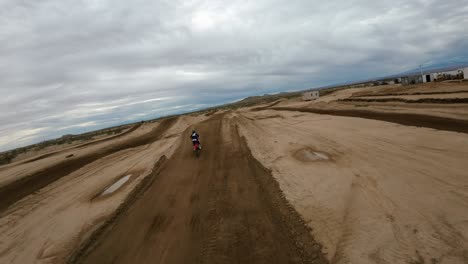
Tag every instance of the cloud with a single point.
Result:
(84, 124)
(102, 63)
(24, 135)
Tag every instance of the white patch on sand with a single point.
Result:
(310, 155)
(114, 187)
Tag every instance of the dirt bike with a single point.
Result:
(197, 149)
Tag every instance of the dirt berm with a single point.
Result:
(223, 207)
(130, 130)
(402, 100)
(407, 119)
(13, 192)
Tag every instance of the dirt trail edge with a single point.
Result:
(15, 191)
(223, 207)
(435, 122)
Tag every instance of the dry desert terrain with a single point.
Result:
(361, 175)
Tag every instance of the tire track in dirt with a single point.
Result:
(223, 207)
(435, 122)
(16, 190)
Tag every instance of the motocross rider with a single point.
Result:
(195, 138)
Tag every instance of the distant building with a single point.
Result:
(435, 76)
(449, 75)
(390, 81)
(411, 79)
(307, 96)
(429, 77)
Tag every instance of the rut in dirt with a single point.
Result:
(15, 191)
(223, 207)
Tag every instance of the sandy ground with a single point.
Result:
(386, 194)
(373, 182)
(46, 226)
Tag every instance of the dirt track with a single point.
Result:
(13, 192)
(221, 208)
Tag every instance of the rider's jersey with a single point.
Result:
(194, 137)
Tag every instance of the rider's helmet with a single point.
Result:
(193, 131)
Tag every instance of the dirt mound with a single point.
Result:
(402, 100)
(406, 119)
(135, 127)
(369, 94)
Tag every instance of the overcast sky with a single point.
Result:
(69, 66)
